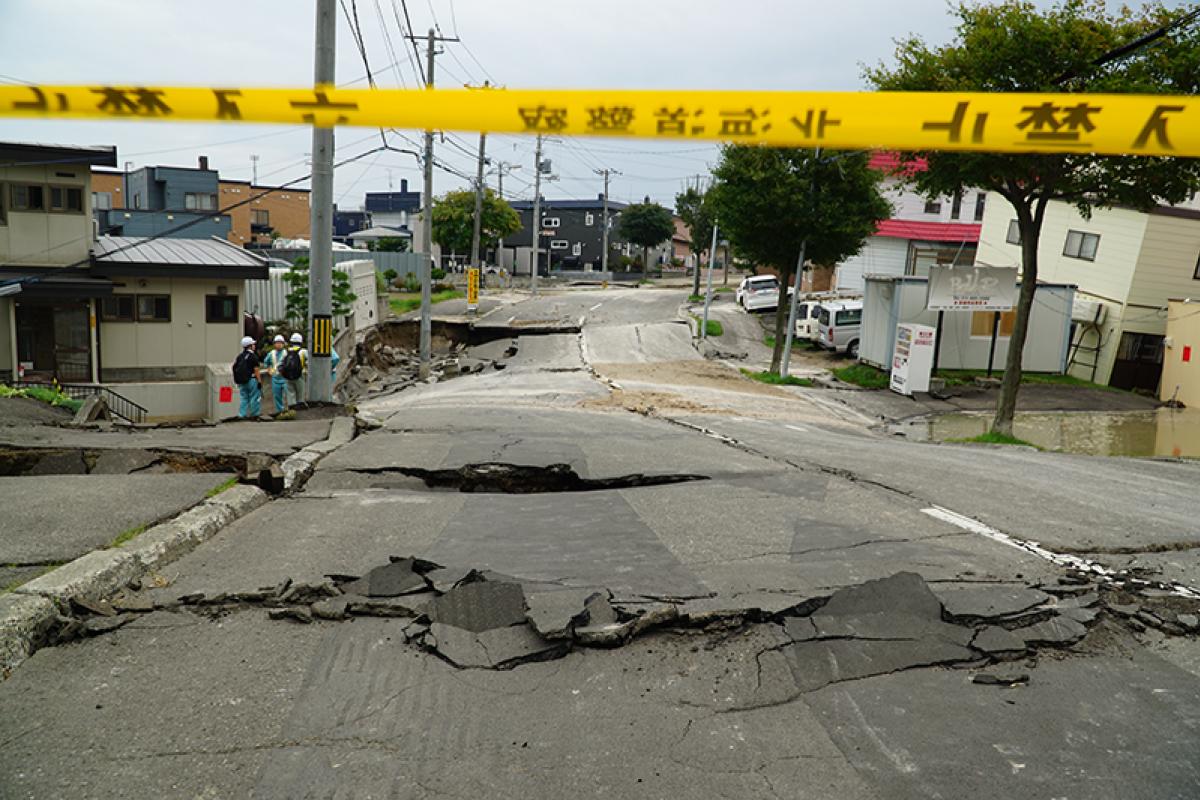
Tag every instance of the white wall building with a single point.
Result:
(1127, 265)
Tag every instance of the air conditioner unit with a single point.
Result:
(1088, 312)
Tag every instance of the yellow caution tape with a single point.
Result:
(1033, 123)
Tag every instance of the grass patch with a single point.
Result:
(723, 289)
(777, 380)
(22, 581)
(227, 485)
(713, 328)
(44, 394)
(125, 536)
(863, 375)
(797, 343)
(991, 437)
(695, 298)
(964, 377)
(405, 303)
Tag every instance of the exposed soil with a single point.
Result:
(707, 374)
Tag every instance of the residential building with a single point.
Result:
(274, 211)
(347, 222)
(920, 233)
(108, 189)
(393, 209)
(144, 318)
(1127, 264)
(573, 236)
(173, 202)
(1181, 356)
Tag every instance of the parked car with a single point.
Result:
(840, 326)
(759, 293)
(806, 320)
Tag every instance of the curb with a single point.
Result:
(298, 467)
(30, 610)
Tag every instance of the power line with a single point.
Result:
(411, 36)
(388, 44)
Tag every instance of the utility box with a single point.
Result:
(223, 396)
(912, 358)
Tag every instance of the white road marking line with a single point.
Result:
(1034, 548)
(593, 308)
(796, 428)
(582, 318)
(514, 316)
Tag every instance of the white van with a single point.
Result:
(806, 320)
(840, 326)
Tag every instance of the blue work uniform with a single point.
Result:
(273, 361)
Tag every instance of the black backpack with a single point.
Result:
(291, 368)
(243, 367)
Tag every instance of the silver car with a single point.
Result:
(758, 293)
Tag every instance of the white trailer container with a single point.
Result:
(890, 300)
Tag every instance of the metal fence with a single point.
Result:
(119, 405)
(403, 263)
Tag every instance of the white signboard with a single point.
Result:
(912, 359)
(972, 288)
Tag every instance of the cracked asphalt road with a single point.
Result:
(825, 639)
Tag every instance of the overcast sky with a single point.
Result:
(689, 44)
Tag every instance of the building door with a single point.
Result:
(53, 342)
(1139, 363)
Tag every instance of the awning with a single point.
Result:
(53, 284)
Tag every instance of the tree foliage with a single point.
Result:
(646, 225)
(390, 244)
(454, 220)
(771, 201)
(1017, 47)
(297, 299)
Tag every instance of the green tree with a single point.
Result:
(1017, 47)
(297, 299)
(390, 244)
(694, 207)
(454, 220)
(771, 201)
(646, 225)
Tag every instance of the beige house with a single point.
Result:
(142, 318)
(1181, 353)
(1126, 265)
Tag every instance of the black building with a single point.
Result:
(348, 222)
(393, 209)
(572, 232)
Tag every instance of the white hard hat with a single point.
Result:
(279, 338)
(247, 341)
(297, 339)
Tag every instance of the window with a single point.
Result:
(195, 201)
(1081, 245)
(117, 308)
(980, 204)
(589, 219)
(221, 308)
(260, 216)
(559, 244)
(67, 199)
(137, 200)
(1014, 232)
(27, 197)
(1144, 347)
(550, 222)
(577, 249)
(851, 316)
(956, 206)
(154, 308)
(981, 323)
(102, 201)
(933, 207)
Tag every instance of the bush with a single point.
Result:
(863, 375)
(412, 283)
(390, 275)
(437, 273)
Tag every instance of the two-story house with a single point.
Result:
(921, 232)
(393, 209)
(141, 316)
(572, 236)
(1127, 265)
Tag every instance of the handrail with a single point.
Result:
(118, 404)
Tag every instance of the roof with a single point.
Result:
(97, 155)
(568, 205)
(380, 232)
(127, 255)
(929, 231)
(890, 163)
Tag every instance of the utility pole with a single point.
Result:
(254, 170)
(426, 346)
(427, 200)
(475, 233)
(604, 233)
(320, 274)
(537, 213)
(791, 327)
(501, 168)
